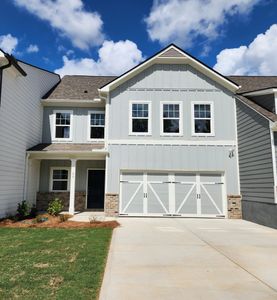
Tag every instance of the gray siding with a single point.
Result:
(81, 172)
(175, 158)
(266, 101)
(20, 129)
(171, 83)
(79, 126)
(255, 156)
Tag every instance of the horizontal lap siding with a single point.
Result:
(255, 155)
(20, 129)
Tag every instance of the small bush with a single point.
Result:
(64, 217)
(55, 207)
(33, 212)
(41, 219)
(23, 210)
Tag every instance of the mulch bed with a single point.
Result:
(55, 222)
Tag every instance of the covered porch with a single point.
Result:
(74, 173)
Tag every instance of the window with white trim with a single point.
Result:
(171, 118)
(96, 125)
(140, 118)
(63, 120)
(202, 118)
(59, 179)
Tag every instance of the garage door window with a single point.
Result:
(140, 113)
(171, 117)
(202, 115)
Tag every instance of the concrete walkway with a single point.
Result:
(155, 258)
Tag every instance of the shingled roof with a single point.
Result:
(64, 147)
(78, 87)
(254, 83)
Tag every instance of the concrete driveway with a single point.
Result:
(155, 258)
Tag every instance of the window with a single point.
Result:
(140, 118)
(59, 179)
(202, 118)
(63, 122)
(96, 125)
(171, 117)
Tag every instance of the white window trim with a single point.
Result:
(180, 133)
(149, 118)
(51, 179)
(193, 133)
(70, 126)
(88, 135)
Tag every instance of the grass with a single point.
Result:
(41, 263)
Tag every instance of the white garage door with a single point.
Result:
(172, 194)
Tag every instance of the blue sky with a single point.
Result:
(101, 37)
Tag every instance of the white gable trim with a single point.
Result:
(186, 59)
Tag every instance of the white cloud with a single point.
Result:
(258, 58)
(8, 43)
(70, 18)
(114, 59)
(32, 48)
(183, 22)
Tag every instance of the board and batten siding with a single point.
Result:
(80, 129)
(255, 156)
(20, 129)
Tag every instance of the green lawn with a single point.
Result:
(41, 263)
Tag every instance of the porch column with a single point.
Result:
(72, 187)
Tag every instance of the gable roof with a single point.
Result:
(172, 54)
(77, 87)
(254, 83)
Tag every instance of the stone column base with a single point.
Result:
(234, 207)
(111, 205)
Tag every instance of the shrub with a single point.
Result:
(41, 219)
(33, 212)
(65, 217)
(23, 210)
(55, 207)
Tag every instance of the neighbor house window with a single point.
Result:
(96, 125)
(202, 118)
(140, 118)
(171, 118)
(63, 124)
(59, 181)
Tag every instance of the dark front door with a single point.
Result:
(96, 189)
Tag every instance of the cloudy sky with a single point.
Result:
(101, 37)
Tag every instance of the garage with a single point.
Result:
(172, 194)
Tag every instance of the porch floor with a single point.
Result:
(87, 216)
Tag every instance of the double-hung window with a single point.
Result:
(63, 125)
(140, 122)
(59, 181)
(171, 118)
(202, 114)
(96, 125)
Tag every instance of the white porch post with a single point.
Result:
(72, 187)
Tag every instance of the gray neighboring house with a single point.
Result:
(21, 88)
(257, 142)
(160, 140)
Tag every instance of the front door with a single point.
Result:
(96, 189)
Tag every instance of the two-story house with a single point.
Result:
(21, 87)
(159, 140)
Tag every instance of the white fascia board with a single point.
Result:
(158, 59)
(261, 92)
(72, 102)
(81, 155)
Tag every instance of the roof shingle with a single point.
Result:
(67, 147)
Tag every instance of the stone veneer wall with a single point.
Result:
(111, 205)
(43, 200)
(234, 207)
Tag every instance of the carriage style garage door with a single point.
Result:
(172, 194)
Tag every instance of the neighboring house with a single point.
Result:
(257, 142)
(160, 140)
(21, 88)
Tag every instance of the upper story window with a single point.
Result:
(140, 122)
(59, 180)
(96, 125)
(202, 114)
(171, 118)
(63, 125)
